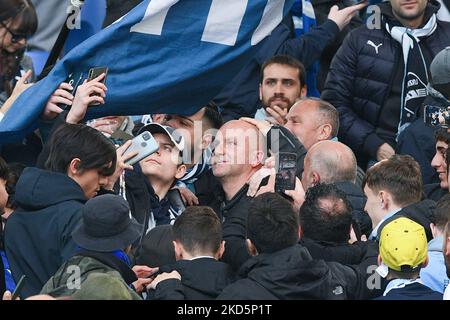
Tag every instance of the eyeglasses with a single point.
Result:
(15, 37)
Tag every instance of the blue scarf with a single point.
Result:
(304, 20)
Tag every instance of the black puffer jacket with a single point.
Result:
(291, 273)
(361, 78)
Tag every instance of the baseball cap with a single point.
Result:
(174, 136)
(440, 67)
(403, 245)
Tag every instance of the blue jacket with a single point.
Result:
(38, 234)
(435, 275)
(240, 98)
(361, 78)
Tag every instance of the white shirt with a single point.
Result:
(374, 233)
(447, 293)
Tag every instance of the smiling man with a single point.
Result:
(38, 235)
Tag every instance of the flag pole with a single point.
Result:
(61, 40)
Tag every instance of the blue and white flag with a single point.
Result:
(164, 56)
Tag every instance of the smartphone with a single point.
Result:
(287, 167)
(437, 116)
(94, 73)
(145, 144)
(19, 287)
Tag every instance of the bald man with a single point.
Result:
(239, 153)
(312, 120)
(334, 162)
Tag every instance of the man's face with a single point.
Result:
(91, 180)
(163, 163)
(3, 196)
(373, 204)
(439, 163)
(302, 122)
(280, 86)
(234, 147)
(408, 9)
(185, 125)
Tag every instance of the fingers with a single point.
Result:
(7, 295)
(250, 120)
(255, 180)
(65, 86)
(26, 76)
(63, 93)
(277, 113)
(270, 187)
(56, 100)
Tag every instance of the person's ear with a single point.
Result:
(304, 91)
(315, 178)
(425, 263)
(73, 169)
(257, 159)
(178, 250)
(260, 92)
(181, 171)
(379, 260)
(300, 233)
(384, 200)
(251, 248)
(221, 250)
(325, 132)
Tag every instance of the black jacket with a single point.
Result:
(358, 200)
(234, 227)
(434, 191)
(201, 279)
(415, 291)
(291, 273)
(361, 78)
(344, 253)
(209, 191)
(240, 98)
(38, 234)
(420, 212)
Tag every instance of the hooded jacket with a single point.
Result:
(361, 79)
(434, 275)
(291, 273)
(38, 234)
(201, 279)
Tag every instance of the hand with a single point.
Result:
(22, 84)
(141, 283)
(85, 97)
(164, 276)
(353, 237)
(278, 115)
(189, 198)
(105, 126)
(344, 16)
(269, 187)
(263, 126)
(60, 96)
(255, 180)
(298, 195)
(384, 152)
(120, 164)
(144, 271)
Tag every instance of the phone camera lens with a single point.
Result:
(146, 136)
(143, 144)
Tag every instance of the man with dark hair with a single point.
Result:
(435, 191)
(38, 235)
(282, 82)
(434, 275)
(198, 186)
(403, 253)
(394, 188)
(198, 245)
(282, 269)
(326, 224)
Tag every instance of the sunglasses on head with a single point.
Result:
(15, 37)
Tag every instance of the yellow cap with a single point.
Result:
(403, 245)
